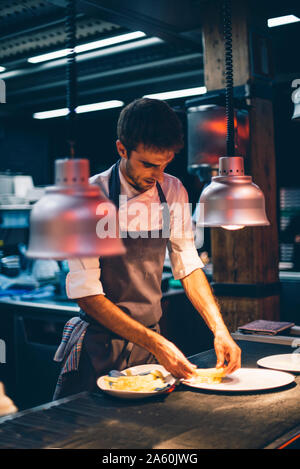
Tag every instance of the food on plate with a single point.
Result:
(144, 382)
(208, 375)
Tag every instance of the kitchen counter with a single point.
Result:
(62, 304)
(185, 418)
(32, 331)
(48, 303)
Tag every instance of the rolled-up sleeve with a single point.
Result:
(83, 278)
(183, 254)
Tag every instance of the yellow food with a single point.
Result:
(144, 383)
(209, 375)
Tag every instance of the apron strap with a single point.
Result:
(166, 223)
(114, 184)
(161, 194)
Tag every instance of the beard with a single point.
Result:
(136, 182)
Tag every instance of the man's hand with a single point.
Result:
(201, 296)
(227, 351)
(169, 356)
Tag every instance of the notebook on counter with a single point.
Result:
(262, 326)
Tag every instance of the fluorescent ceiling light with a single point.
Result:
(80, 109)
(109, 41)
(282, 20)
(87, 56)
(2, 69)
(50, 56)
(178, 93)
(89, 46)
(99, 106)
(50, 114)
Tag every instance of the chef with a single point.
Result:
(120, 297)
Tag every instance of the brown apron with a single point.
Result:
(132, 282)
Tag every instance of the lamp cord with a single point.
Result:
(71, 74)
(230, 147)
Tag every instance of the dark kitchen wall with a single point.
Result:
(31, 146)
(24, 149)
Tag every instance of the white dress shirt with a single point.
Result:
(84, 277)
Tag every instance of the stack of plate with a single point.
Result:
(10, 266)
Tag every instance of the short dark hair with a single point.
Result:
(150, 122)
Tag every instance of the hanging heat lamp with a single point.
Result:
(68, 221)
(232, 201)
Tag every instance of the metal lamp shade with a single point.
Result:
(73, 218)
(232, 200)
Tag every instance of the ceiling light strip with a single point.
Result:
(101, 106)
(88, 46)
(81, 57)
(178, 93)
(281, 20)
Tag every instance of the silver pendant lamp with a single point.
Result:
(232, 201)
(73, 218)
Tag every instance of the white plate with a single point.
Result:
(102, 384)
(284, 362)
(247, 379)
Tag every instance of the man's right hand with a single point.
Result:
(169, 356)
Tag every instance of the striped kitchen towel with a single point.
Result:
(70, 347)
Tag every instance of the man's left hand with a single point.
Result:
(227, 351)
